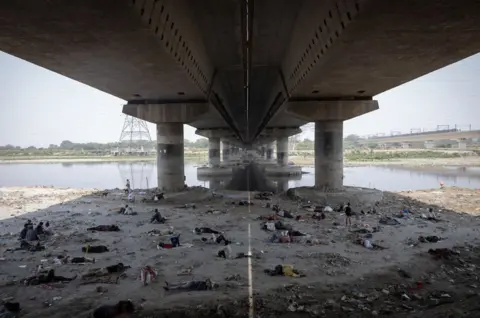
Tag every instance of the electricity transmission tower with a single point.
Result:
(135, 135)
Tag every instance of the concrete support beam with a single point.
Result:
(214, 151)
(216, 133)
(225, 150)
(167, 113)
(170, 167)
(329, 155)
(282, 151)
(339, 110)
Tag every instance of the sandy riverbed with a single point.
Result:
(337, 271)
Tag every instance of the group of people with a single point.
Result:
(30, 233)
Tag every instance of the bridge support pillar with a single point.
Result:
(329, 116)
(430, 144)
(282, 151)
(169, 119)
(170, 169)
(329, 154)
(214, 151)
(405, 145)
(461, 144)
(263, 152)
(225, 151)
(269, 152)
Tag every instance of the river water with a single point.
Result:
(106, 175)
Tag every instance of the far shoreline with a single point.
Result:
(470, 161)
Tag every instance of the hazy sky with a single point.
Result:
(40, 107)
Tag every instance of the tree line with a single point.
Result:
(351, 141)
(69, 145)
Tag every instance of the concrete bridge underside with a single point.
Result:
(243, 66)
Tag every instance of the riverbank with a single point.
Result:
(473, 161)
(469, 161)
(342, 278)
(92, 159)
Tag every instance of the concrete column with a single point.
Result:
(214, 151)
(170, 169)
(405, 145)
(270, 150)
(263, 151)
(282, 151)
(430, 144)
(225, 151)
(282, 186)
(462, 144)
(329, 155)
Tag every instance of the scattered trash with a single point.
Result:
(147, 275)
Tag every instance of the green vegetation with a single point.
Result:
(97, 151)
(358, 155)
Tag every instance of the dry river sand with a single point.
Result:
(342, 279)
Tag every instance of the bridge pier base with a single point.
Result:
(282, 151)
(170, 168)
(329, 154)
(170, 153)
(329, 116)
(214, 151)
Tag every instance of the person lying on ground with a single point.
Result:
(100, 272)
(157, 218)
(443, 253)
(284, 214)
(216, 240)
(104, 228)
(160, 232)
(75, 260)
(284, 270)
(195, 285)
(94, 249)
(206, 230)
(273, 217)
(25, 246)
(368, 244)
(45, 279)
(174, 242)
(123, 309)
